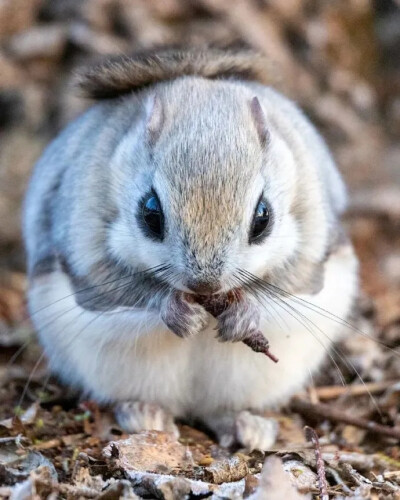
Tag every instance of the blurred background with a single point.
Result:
(339, 59)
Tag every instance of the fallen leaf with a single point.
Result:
(150, 451)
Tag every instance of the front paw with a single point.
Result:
(238, 321)
(183, 315)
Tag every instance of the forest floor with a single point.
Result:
(339, 61)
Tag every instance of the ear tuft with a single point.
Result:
(260, 121)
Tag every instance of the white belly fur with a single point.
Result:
(130, 355)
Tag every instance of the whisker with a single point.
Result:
(154, 270)
(317, 309)
(335, 349)
(63, 313)
(162, 271)
(159, 287)
(54, 319)
(343, 358)
(90, 322)
(46, 382)
(245, 285)
(295, 315)
(15, 356)
(29, 380)
(77, 334)
(19, 351)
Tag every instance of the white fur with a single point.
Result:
(130, 355)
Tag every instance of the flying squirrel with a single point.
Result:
(189, 181)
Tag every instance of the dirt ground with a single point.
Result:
(340, 60)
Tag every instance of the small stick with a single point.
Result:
(312, 436)
(48, 445)
(310, 410)
(334, 391)
(14, 439)
(259, 343)
(391, 474)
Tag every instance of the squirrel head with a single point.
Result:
(208, 186)
(215, 172)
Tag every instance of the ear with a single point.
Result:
(259, 121)
(155, 119)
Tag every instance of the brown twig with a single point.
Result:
(311, 435)
(14, 439)
(310, 410)
(259, 343)
(48, 445)
(334, 391)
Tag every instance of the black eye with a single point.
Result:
(261, 222)
(152, 216)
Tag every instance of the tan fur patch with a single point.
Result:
(121, 74)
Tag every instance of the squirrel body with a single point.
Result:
(160, 192)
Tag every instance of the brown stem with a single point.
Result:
(334, 391)
(312, 436)
(259, 343)
(321, 410)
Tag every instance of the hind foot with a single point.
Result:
(137, 416)
(245, 429)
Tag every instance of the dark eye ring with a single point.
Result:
(152, 216)
(261, 222)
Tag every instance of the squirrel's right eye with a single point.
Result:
(261, 222)
(152, 216)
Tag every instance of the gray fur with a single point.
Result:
(209, 148)
(71, 200)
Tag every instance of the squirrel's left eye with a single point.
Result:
(152, 216)
(261, 222)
